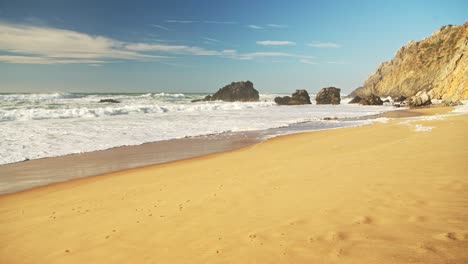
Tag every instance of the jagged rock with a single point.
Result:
(298, 98)
(399, 99)
(355, 100)
(109, 101)
(330, 95)
(234, 92)
(451, 103)
(438, 62)
(371, 100)
(207, 98)
(422, 98)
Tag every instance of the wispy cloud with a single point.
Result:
(176, 49)
(254, 27)
(158, 26)
(253, 55)
(45, 45)
(277, 26)
(181, 21)
(276, 43)
(211, 39)
(221, 22)
(318, 44)
(306, 61)
(43, 60)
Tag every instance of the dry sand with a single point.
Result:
(385, 193)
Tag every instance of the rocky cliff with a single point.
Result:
(438, 63)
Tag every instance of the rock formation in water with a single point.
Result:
(234, 92)
(298, 98)
(422, 98)
(437, 64)
(355, 100)
(113, 101)
(330, 95)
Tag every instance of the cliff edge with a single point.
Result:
(438, 63)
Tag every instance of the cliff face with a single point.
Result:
(438, 63)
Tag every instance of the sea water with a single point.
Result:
(36, 126)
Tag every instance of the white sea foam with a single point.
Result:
(45, 125)
(462, 108)
(421, 128)
(383, 120)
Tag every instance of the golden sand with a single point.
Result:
(384, 193)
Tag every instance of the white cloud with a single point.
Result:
(211, 39)
(254, 27)
(45, 45)
(324, 45)
(276, 43)
(181, 21)
(42, 60)
(176, 49)
(65, 45)
(277, 26)
(249, 56)
(158, 26)
(220, 22)
(306, 61)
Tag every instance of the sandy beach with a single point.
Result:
(392, 192)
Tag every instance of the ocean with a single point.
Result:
(34, 126)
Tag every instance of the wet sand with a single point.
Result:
(32, 173)
(28, 174)
(394, 192)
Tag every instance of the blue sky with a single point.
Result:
(199, 46)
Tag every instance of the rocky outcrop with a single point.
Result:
(399, 99)
(422, 98)
(451, 103)
(438, 63)
(113, 101)
(371, 100)
(355, 100)
(330, 95)
(234, 92)
(298, 98)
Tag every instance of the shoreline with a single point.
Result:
(94, 163)
(351, 188)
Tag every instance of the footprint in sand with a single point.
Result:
(337, 253)
(453, 236)
(427, 248)
(366, 220)
(417, 219)
(337, 236)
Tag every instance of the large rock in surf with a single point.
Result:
(422, 98)
(438, 63)
(330, 95)
(371, 100)
(298, 98)
(234, 92)
(355, 100)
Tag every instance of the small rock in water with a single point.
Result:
(298, 98)
(109, 101)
